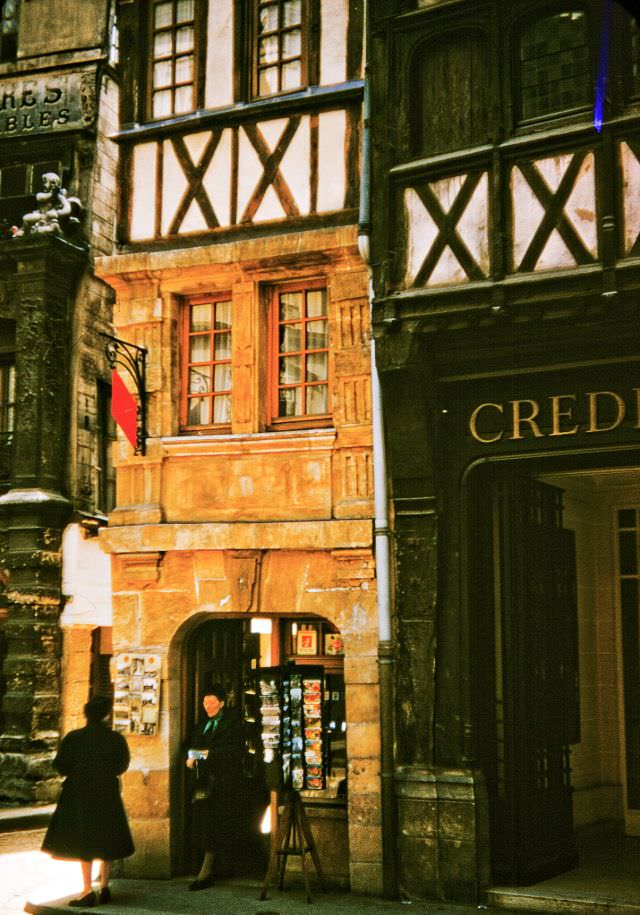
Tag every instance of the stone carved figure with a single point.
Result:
(56, 213)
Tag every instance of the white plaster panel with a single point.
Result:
(333, 41)
(447, 270)
(527, 214)
(553, 169)
(249, 171)
(555, 254)
(174, 184)
(447, 190)
(218, 90)
(144, 191)
(272, 131)
(295, 166)
(217, 180)
(473, 225)
(86, 580)
(332, 178)
(270, 208)
(581, 205)
(194, 220)
(196, 144)
(631, 195)
(421, 232)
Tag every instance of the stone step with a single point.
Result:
(529, 899)
(12, 818)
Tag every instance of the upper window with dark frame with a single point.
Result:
(206, 384)
(106, 436)
(554, 65)
(172, 77)
(299, 355)
(449, 79)
(280, 46)
(19, 182)
(633, 70)
(8, 30)
(7, 414)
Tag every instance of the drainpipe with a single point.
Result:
(381, 522)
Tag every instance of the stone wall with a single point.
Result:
(256, 522)
(158, 594)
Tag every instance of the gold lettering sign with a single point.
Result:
(487, 439)
(519, 418)
(552, 417)
(558, 413)
(47, 104)
(596, 397)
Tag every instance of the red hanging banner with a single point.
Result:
(124, 408)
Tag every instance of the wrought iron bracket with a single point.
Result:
(133, 358)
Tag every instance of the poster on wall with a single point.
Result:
(136, 699)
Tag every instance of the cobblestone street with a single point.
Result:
(25, 871)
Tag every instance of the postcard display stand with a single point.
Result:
(136, 700)
(291, 706)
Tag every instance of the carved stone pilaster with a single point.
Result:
(141, 570)
(242, 569)
(46, 273)
(32, 522)
(35, 510)
(443, 829)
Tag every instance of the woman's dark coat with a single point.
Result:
(89, 821)
(221, 820)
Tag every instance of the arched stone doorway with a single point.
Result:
(236, 651)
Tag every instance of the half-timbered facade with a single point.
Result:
(58, 105)
(505, 247)
(247, 517)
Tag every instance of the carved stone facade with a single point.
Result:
(262, 523)
(506, 288)
(263, 514)
(58, 102)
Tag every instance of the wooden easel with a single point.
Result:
(293, 837)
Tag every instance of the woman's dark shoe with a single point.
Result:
(104, 895)
(202, 884)
(88, 901)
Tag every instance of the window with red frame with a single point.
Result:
(206, 399)
(300, 355)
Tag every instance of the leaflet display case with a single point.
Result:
(291, 726)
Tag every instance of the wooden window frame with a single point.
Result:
(13, 206)
(105, 495)
(185, 364)
(199, 16)
(9, 41)
(305, 420)
(307, 52)
(631, 92)
(522, 121)
(8, 395)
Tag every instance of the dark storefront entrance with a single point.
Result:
(553, 560)
(549, 545)
(224, 653)
(236, 652)
(522, 569)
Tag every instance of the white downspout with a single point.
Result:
(381, 523)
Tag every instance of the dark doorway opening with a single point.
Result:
(527, 712)
(225, 652)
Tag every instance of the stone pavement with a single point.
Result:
(32, 879)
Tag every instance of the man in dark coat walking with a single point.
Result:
(218, 790)
(89, 822)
